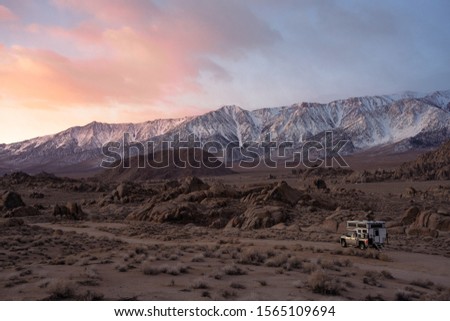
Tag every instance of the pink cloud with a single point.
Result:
(111, 10)
(6, 14)
(138, 55)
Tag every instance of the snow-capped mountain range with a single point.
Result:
(409, 119)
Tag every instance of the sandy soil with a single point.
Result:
(105, 257)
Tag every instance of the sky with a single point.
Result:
(69, 62)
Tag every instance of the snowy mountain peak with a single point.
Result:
(366, 121)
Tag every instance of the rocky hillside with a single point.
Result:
(193, 162)
(433, 165)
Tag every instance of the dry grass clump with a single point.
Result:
(122, 267)
(198, 258)
(90, 277)
(262, 282)
(308, 267)
(426, 284)
(227, 294)
(150, 269)
(200, 284)
(377, 297)
(322, 283)
(252, 257)
(233, 269)
(368, 254)
(403, 295)
(236, 285)
(277, 261)
(372, 278)
(284, 261)
(298, 284)
(62, 290)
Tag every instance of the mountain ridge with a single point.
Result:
(367, 121)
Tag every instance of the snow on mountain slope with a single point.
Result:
(366, 121)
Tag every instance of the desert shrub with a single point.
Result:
(206, 294)
(387, 275)
(140, 250)
(200, 284)
(175, 269)
(90, 296)
(403, 296)
(122, 268)
(426, 284)
(71, 260)
(384, 257)
(372, 278)
(293, 263)
(308, 267)
(233, 269)
(277, 261)
(328, 265)
(262, 282)
(371, 297)
(227, 294)
(198, 258)
(297, 283)
(320, 282)
(236, 285)
(253, 257)
(173, 257)
(62, 290)
(149, 269)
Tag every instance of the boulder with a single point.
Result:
(410, 215)
(10, 200)
(70, 211)
(192, 184)
(284, 193)
(123, 190)
(432, 221)
(221, 190)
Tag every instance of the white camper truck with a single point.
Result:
(363, 234)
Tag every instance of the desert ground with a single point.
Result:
(254, 235)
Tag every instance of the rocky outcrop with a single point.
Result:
(70, 211)
(410, 215)
(10, 200)
(257, 217)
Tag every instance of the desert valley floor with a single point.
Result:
(247, 236)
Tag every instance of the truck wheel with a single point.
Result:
(343, 243)
(362, 246)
